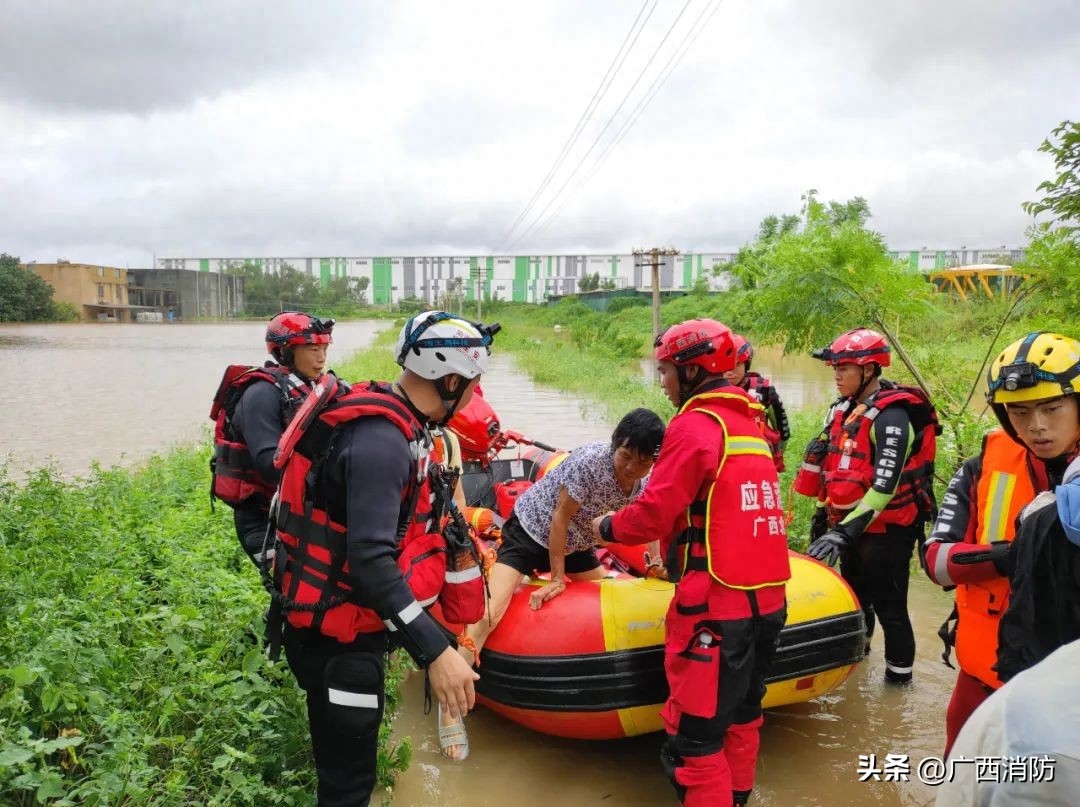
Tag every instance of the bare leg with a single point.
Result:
(502, 583)
(599, 573)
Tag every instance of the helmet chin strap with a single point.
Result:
(863, 385)
(450, 400)
(686, 386)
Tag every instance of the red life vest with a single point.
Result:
(234, 479)
(762, 391)
(848, 469)
(735, 530)
(311, 567)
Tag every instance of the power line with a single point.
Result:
(611, 120)
(598, 96)
(654, 88)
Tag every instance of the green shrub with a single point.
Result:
(131, 637)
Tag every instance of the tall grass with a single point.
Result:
(132, 669)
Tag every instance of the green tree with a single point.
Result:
(1052, 260)
(24, 296)
(359, 287)
(608, 284)
(700, 287)
(589, 282)
(453, 299)
(1062, 193)
(830, 274)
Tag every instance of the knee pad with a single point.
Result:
(354, 693)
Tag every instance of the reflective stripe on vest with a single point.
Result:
(742, 541)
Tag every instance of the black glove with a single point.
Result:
(1003, 558)
(819, 523)
(827, 548)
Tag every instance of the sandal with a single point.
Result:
(453, 736)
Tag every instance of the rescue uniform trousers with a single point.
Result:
(877, 566)
(345, 691)
(716, 670)
(251, 520)
(967, 696)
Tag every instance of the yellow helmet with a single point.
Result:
(1041, 365)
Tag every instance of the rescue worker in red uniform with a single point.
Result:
(775, 422)
(257, 406)
(874, 488)
(714, 500)
(1030, 387)
(342, 520)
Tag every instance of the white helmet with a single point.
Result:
(435, 344)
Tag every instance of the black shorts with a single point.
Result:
(520, 552)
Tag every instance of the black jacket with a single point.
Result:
(1044, 607)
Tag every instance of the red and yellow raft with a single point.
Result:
(590, 663)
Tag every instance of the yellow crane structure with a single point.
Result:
(980, 279)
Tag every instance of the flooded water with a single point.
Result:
(809, 753)
(111, 393)
(118, 392)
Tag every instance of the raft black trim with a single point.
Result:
(600, 682)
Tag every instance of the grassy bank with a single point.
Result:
(133, 670)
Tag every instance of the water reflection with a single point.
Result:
(118, 392)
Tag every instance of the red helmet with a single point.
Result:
(476, 427)
(296, 328)
(858, 346)
(704, 342)
(744, 351)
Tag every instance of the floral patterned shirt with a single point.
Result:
(588, 474)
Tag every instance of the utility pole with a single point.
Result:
(653, 255)
(479, 288)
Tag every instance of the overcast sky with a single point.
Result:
(133, 129)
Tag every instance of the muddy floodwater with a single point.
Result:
(115, 393)
(809, 752)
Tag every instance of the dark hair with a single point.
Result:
(641, 430)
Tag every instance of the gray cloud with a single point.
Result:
(321, 129)
(115, 55)
(922, 36)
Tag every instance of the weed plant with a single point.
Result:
(132, 667)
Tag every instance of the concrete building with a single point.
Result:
(97, 292)
(182, 294)
(520, 278)
(531, 278)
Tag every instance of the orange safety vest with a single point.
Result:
(1005, 487)
(736, 530)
